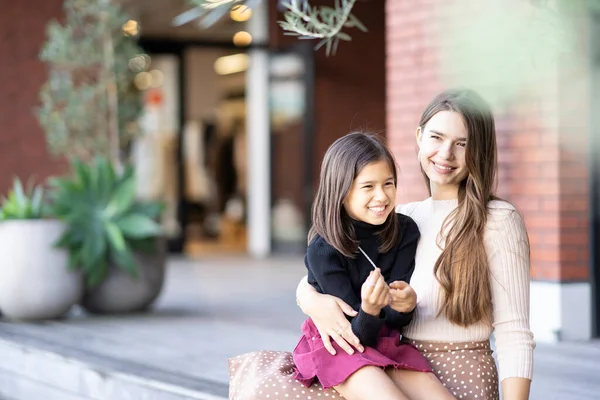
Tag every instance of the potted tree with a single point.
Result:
(90, 110)
(111, 237)
(34, 283)
(90, 104)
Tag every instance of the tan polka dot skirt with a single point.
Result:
(268, 375)
(467, 370)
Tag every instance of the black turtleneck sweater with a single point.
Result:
(330, 272)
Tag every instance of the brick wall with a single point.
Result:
(350, 86)
(349, 92)
(22, 142)
(411, 83)
(542, 143)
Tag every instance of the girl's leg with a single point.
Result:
(419, 385)
(370, 383)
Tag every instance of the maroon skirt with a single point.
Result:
(314, 361)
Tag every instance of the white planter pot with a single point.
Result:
(35, 282)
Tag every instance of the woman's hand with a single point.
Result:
(327, 313)
(375, 293)
(403, 297)
(328, 316)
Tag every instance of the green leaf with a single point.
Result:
(22, 203)
(287, 4)
(36, 200)
(83, 172)
(146, 245)
(93, 249)
(328, 14)
(336, 41)
(93, 173)
(343, 36)
(354, 22)
(124, 259)
(138, 226)
(97, 274)
(289, 18)
(128, 173)
(10, 209)
(150, 209)
(19, 194)
(115, 237)
(74, 262)
(106, 179)
(65, 240)
(321, 43)
(122, 198)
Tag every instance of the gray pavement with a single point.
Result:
(217, 307)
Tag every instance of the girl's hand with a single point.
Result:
(327, 313)
(375, 293)
(403, 296)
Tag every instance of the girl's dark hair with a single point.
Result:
(343, 161)
(462, 268)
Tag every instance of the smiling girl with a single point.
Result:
(362, 252)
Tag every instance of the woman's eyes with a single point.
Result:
(461, 144)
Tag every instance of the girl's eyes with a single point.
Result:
(371, 186)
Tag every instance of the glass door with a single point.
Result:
(291, 103)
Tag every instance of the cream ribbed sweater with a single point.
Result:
(507, 249)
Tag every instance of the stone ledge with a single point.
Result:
(34, 369)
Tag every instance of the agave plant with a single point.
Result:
(23, 203)
(105, 223)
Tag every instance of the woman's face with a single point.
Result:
(442, 143)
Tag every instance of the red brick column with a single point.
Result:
(22, 142)
(412, 81)
(542, 144)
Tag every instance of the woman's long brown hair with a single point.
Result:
(462, 268)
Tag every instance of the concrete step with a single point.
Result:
(34, 370)
(210, 310)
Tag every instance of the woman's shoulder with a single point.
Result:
(503, 216)
(499, 209)
(500, 206)
(408, 208)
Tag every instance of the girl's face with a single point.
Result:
(442, 143)
(372, 195)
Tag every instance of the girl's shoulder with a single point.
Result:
(405, 221)
(408, 228)
(319, 246)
